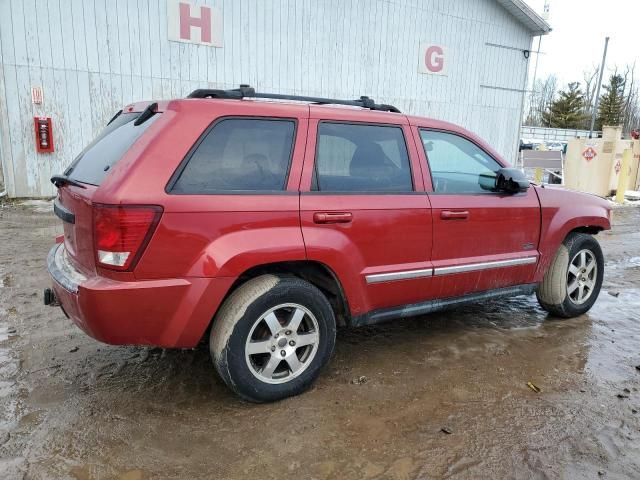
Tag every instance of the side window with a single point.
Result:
(361, 158)
(457, 165)
(239, 154)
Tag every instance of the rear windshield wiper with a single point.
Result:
(60, 180)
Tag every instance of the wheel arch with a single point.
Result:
(317, 273)
(589, 229)
(557, 229)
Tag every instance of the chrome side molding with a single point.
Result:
(428, 272)
(472, 267)
(403, 275)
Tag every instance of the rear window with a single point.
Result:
(95, 161)
(239, 154)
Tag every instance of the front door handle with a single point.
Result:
(454, 215)
(332, 217)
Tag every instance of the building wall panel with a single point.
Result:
(91, 58)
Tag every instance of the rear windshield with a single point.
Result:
(95, 161)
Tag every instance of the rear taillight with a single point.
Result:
(121, 233)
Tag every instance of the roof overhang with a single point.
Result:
(527, 16)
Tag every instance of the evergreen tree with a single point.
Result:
(611, 108)
(566, 111)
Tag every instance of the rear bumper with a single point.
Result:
(62, 271)
(166, 313)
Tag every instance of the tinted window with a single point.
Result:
(457, 165)
(240, 154)
(95, 161)
(361, 158)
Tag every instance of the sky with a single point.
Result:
(577, 40)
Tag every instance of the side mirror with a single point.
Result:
(507, 180)
(511, 180)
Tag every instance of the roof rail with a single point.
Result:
(245, 91)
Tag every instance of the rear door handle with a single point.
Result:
(332, 217)
(451, 215)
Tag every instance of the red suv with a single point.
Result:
(265, 224)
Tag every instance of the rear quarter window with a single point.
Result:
(96, 160)
(239, 154)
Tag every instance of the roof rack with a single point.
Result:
(245, 91)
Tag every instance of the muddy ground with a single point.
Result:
(71, 407)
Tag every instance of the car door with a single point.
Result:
(482, 240)
(363, 209)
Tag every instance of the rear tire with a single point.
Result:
(572, 284)
(272, 337)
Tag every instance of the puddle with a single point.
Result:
(631, 262)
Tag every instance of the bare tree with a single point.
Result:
(632, 114)
(542, 95)
(590, 79)
(631, 107)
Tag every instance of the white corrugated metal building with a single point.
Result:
(78, 62)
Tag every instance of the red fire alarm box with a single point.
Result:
(44, 134)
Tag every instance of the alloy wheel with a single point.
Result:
(582, 276)
(282, 343)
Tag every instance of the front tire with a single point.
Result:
(271, 337)
(572, 284)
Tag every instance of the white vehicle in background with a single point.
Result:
(555, 146)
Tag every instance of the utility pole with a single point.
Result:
(595, 105)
